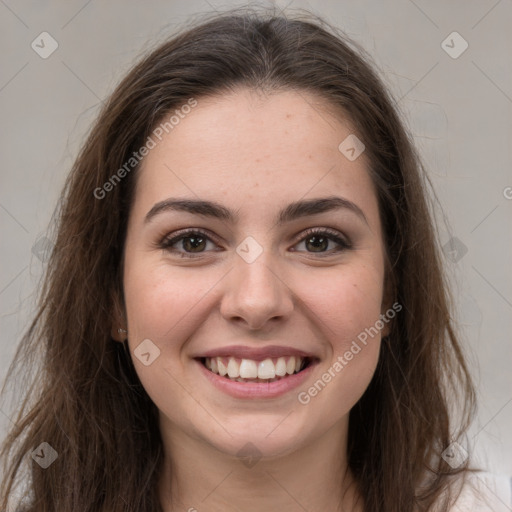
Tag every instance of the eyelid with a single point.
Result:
(338, 237)
(170, 239)
(334, 234)
(175, 235)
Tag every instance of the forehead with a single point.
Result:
(245, 146)
(255, 128)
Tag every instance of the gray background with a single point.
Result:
(458, 109)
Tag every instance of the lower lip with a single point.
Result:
(254, 389)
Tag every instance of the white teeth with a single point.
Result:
(290, 365)
(221, 367)
(281, 367)
(266, 369)
(248, 369)
(233, 368)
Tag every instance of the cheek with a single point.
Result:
(347, 308)
(160, 300)
(163, 305)
(345, 302)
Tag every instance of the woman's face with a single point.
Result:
(254, 289)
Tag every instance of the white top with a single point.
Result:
(485, 492)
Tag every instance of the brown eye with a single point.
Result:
(192, 242)
(318, 241)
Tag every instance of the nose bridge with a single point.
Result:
(255, 291)
(260, 276)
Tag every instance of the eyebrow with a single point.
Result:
(291, 212)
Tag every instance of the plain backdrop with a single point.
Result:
(457, 102)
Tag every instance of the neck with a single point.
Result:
(314, 477)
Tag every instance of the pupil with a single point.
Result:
(197, 242)
(193, 243)
(322, 244)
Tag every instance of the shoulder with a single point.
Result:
(485, 492)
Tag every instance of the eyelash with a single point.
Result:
(333, 235)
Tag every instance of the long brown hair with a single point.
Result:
(83, 397)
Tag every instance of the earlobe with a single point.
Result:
(387, 315)
(386, 329)
(118, 334)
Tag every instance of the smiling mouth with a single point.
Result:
(249, 370)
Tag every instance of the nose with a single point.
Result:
(256, 294)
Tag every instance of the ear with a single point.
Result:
(118, 318)
(387, 327)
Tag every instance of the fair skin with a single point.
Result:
(254, 155)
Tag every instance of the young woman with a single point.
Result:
(245, 307)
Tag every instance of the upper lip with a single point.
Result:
(255, 353)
